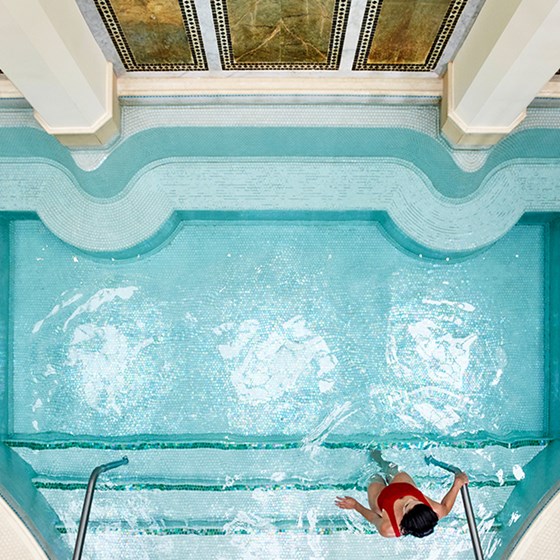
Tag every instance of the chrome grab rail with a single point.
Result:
(477, 548)
(82, 529)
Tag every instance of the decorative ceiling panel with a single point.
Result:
(280, 34)
(154, 34)
(406, 35)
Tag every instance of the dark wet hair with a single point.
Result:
(419, 521)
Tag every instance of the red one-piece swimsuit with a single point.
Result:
(390, 494)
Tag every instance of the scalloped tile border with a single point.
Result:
(394, 186)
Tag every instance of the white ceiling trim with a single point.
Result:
(323, 86)
(134, 86)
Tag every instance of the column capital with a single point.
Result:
(511, 52)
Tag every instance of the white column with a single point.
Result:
(511, 52)
(48, 52)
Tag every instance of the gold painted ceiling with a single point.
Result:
(159, 35)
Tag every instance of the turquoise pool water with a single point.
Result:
(246, 367)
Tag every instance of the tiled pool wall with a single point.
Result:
(553, 346)
(16, 487)
(4, 324)
(15, 475)
(542, 479)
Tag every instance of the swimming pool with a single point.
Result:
(246, 367)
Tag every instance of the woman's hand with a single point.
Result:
(461, 479)
(346, 503)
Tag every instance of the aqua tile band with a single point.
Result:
(444, 200)
(184, 443)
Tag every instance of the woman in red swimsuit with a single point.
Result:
(399, 508)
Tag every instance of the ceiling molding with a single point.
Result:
(178, 87)
(317, 86)
(8, 90)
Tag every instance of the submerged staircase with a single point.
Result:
(229, 498)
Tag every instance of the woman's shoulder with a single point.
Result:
(440, 510)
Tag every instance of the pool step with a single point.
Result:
(113, 545)
(187, 498)
(210, 462)
(217, 510)
(264, 472)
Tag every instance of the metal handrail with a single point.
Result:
(82, 529)
(477, 548)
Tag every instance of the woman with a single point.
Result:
(399, 508)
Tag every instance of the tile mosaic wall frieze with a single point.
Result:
(280, 34)
(406, 35)
(154, 34)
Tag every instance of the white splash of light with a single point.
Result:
(55, 310)
(496, 379)
(492, 541)
(392, 358)
(258, 545)
(313, 441)
(189, 317)
(500, 475)
(231, 480)
(441, 419)
(35, 425)
(409, 421)
(463, 306)
(501, 362)
(433, 405)
(313, 538)
(514, 518)
(49, 371)
(248, 523)
(101, 297)
(261, 495)
(326, 386)
(38, 404)
(448, 356)
(482, 512)
(245, 333)
(518, 472)
(102, 356)
(266, 363)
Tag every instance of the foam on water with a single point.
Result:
(267, 361)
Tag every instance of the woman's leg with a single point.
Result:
(374, 489)
(390, 470)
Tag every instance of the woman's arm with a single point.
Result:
(448, 501)
(381, 522)
(350, 503)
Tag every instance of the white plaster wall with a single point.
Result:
(16, 542)
(541, 542)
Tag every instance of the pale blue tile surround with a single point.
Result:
(389, 160)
